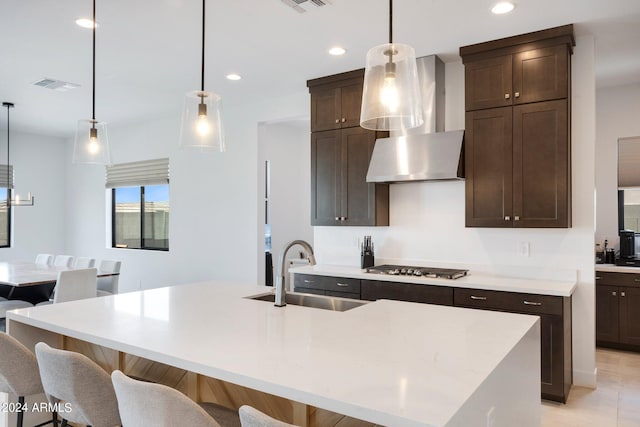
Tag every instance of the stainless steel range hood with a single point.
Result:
(424, 153)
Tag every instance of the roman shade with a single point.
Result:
(146, 172)
(629, 163)
(6, 179)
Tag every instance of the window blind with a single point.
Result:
(146, 172)
(7, 180)
(629, 163)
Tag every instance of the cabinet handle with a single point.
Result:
(308, 281)
(636, 280)
(517, 94)
(507, 218)
(337, 120)
(337, 218)
(614, 293)
(597, 277)
(622, 294)
(507, 96)
(630, 263)
(478, 298)
(343, 285)
(516, 218)
(532, 303)
(344, 120)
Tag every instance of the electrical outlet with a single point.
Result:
(524, 249)
(491, 418)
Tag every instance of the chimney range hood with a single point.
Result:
(423, 153)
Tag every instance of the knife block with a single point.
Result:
(366, 260)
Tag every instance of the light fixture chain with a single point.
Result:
(93, 101)
(202, 72)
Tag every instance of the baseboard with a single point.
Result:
(585, 379)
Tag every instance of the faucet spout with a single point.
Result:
(281, 292)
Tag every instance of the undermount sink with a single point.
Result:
(314, 301)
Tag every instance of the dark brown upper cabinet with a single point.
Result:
(335, 104)
(340, 155)
(518, 158)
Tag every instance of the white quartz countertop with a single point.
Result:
(617, 268)
(472, 280)
(388, 362)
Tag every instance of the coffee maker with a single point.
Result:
(627, 244)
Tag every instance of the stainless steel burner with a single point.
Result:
(402, 270)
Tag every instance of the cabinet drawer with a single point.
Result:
(377, 289)
(507, 301)
(337, 284)
(617, 279)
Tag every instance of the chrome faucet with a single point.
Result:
(281, 292)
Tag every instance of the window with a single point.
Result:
(5, 219)
(140, 204)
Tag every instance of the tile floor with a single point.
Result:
(614, 403)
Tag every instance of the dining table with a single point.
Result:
(30, 281)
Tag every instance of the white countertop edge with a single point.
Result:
(617, 268)
(475, 280)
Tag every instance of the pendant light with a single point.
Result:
(202, 114)
(91, 143)
(13, 200)
(391, 95)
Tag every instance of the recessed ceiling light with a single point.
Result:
(503, 7)
(85, 23)
(337, 51)
(234, 76)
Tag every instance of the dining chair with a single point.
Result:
(12, 304)
(149, 404)
(44, 259)
(19, 373)
(251, 417)
(109, 285)
(84, 262)
(63, 260)
(73, 378)
(74, 285)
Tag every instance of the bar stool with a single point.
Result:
(19, 373)
(109, 285)
(149, 404)
(69, 377)
(251, 417)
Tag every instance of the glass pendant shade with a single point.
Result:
(92, 143)
(202, 122)
(391, 94)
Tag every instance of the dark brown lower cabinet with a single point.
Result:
(556, 366)
(554, 311)
(618, 310)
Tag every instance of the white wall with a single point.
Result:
(427, 219)
(286, 145)
(39, 168)
(214, 221)
(617, 116)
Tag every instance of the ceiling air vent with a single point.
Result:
(53, 84)
(301, 6)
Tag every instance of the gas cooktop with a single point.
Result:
(403, 270)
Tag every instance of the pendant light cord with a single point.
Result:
(390, 21)
(8, 105)
(93, 101)
(202, 72)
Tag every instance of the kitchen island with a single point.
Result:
(385, 363)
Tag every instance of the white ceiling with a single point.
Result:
(148, 51)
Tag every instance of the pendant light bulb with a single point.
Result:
(91, 144)
(202, 114)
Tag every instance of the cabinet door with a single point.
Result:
(350, 104)
(488, 168)
(358, 199)
(541, 165)
(488, 83)
(325, 109)
(541, 75)
(552, 357)
(607, 314)
(629, 300)
(325, 177)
